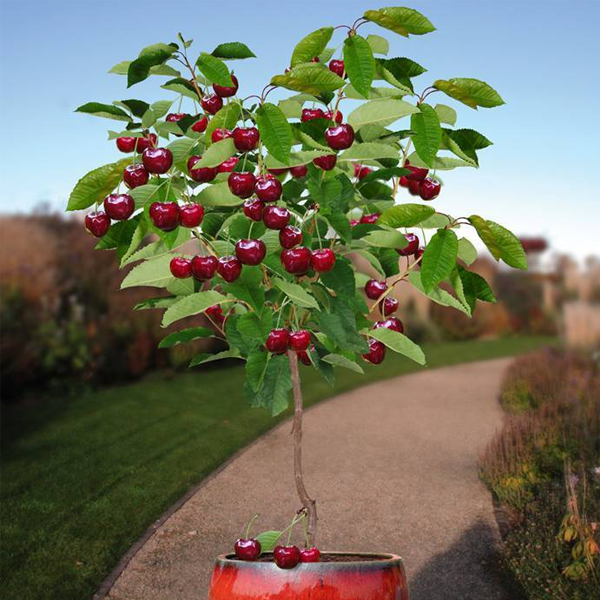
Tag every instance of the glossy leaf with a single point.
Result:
(106, 111)
(191, 305)
(382, 112)
(438, 295)
(446, 114)
(471, 92)
(183, 87)
(185, 335)
(312, 78)
(439, 258)
(427, 135)
(214, 69)
(466, 251)
(296, 293)
(152, 273)
(218, 194)
(310, 46)
(233, 51)
(379, 45)
(403, 21)
(464, 143)
(151, 56)
(406, 215)
(275, 131)
(399, 343)
(274, 392)
(338, 360)
(359, 63)
(216, 154)
(511, 249)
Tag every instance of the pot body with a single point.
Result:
(366, 577)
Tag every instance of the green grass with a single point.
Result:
(83, 478)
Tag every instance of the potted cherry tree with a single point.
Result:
(278, 199)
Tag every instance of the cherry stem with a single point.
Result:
(250, 525)
(308, 503)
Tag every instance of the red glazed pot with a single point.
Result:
(366, 577)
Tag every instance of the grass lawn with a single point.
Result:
(83, 478)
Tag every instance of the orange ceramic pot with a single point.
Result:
(359, 577)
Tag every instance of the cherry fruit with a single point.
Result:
(157, 160)
(268, 189)
(245, 139)
(276, 217)
(337, 66)
(119, 207)
(241, 184)
(296, 261)
(322, 260)
(388, 306)
(247, 549)
(411, 247)
(278, 341)
(286, 557)
(135, 175)
(229, 268)
(290, 236)
(212, 104)
(201, 174)
(374, 288)
(254, 209)
(226, 91)
(299, 340)
(250, 252)
(164, 215)
(204, 267)
(430, 189)
(310, 555)
(97, 223)
(181, 267)
(326, 163)
(376, 352)
(392, 323)
(191, 215)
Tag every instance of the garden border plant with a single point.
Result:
(279, 207)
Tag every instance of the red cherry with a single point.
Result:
(247, 549)
(181, 267)
(392, 323)
(430, 189)
(175, 117)
(304, 358)
(370, 219)
(245, 139)
(416, 173)
(276, 217)
(338, 116)
(278, 341)
(241, 184)
(340, 137)
(337, 66)
(418, 255)
(414, 187)
(119, 207)
(314, 59)
(354, 222)
(268, 189)
(215, 313)
(374, 288)
(126, 144)
(191, 215)
(323, 260)
(250, 252)
(201, 174)
(376, 352)
(296, 260)
(310, 555)
(388, 306)
(299, 171)
(411, 247)
(254, 209)
(277, 171)
(200, 125)
(228, 166)
(299, 340)
(308, 114)
(204, 267)
(212, 104)
(157, 160)
(290, 236)
(97, 223)
(286, 557)
(148, 141)
(229, 268)
(326, 162)
(220, 134)
(404, 181)
(226, 91)
(164, 215)
(361, 171)
(135, 175)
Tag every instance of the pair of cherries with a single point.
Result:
(418, 184)
(280, 340)
(266, 187)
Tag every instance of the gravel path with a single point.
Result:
(393, 467)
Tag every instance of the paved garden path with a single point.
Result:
(393, 466)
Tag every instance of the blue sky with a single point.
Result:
(538, 178)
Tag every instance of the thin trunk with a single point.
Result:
(307, 502)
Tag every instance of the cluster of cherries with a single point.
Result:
(418, 184)
(285, 557)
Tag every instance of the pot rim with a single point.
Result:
(386, 560)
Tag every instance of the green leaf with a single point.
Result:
(405, 215)
(248, 288)
(274, 392)
(475, 287)
(390, 261)
(369, 151)
(181, 149)
(341, 361)
(206, 357)
(256, 363)
(149, 57)
(446, 114)
(427, 135)
(226, 118)
(312, 78)
(122, 68)
(438, 295)
(440, 163)
(296, 158)
(340, 279)
(486, 235)
(296, 293)
(382, 112)
(275, 131)
(185, 335)
(181, 86)
(511, 249)
(399, 343)
(464, 143)
(218, 194)
(214, 69)
(388, 238)
(399, 72)
(107, 111)
(154, 273)
(217, 153)
(379, 45)
(191, 305)
(252, 325)
(144, 193)
(96, 185)
(310, 46)
(339, 326)
(400, 20)
(268, 540)
(155, 303)
(466, 251)
(233, 51)
(359, 63)
(439, 258)
(471, 92)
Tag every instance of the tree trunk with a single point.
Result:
(307, 502)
